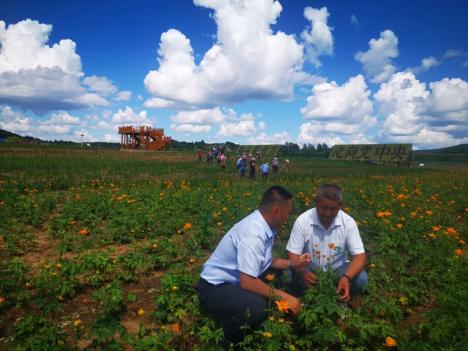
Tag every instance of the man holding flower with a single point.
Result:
(231, 288)
(328, 234)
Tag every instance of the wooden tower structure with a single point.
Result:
(143, 138)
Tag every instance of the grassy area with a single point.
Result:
(102, 248)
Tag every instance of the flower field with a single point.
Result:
(102, 250)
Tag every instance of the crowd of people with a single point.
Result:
(245, 162)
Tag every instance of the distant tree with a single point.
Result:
(13, 140)
(290, 149)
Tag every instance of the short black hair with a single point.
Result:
(329, 191)
(274, 194)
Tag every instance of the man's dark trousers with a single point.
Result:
(233, 307)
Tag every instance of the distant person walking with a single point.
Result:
(275, 165)
(243, 166)
(253, 166)
(238, 162)
(222, 159)
(264, 168)
(199, 154)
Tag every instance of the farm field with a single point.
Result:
(101, 249)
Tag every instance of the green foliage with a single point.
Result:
(35, 333)
(109, 224)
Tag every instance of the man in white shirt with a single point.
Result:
(231, 288)
(328, 234)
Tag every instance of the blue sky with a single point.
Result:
(257, 71)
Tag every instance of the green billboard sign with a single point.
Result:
(371, 152)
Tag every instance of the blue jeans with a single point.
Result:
(358, 283)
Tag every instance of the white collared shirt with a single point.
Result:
(328, 248)
(246, 247)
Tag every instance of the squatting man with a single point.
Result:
(232, 285)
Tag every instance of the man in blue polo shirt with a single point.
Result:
(328, 234)
(230, 288)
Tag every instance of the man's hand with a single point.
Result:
(293, 302)
(302, 261)
(343, 289)
(309, 278)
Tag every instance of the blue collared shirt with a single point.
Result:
(246, 247)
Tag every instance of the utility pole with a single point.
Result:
(82, 135)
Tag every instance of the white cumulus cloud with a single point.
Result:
(43, 77)
(244, 127)
(312, 133)
(247, 61)
(273, 139)
(188, 128)
(338, 113)
(399, 100)
(13, 121)
(101, 85)
(24, 46)
(377, 61)
(428, 117)
(128, 116)
(123, 95)
(63, 118)
(349, 102)
(319, 40)
(158, 103)
(204, 116)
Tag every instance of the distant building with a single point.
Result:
(143, 138)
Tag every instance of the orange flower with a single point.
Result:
(283, 305)
(187, 226)
(387, 213)
(84, 232)
(380, 214)
(331, 246)
(435, 228)
(390, 342)
(429, 212)
(459, 252)
(431, 235)
(141, 312)
(451, 230)
(270, 277)
(399, 225)
(73, 222)
(413, 214)
(1, 300)
(174, 328)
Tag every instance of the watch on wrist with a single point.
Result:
(347, 277)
